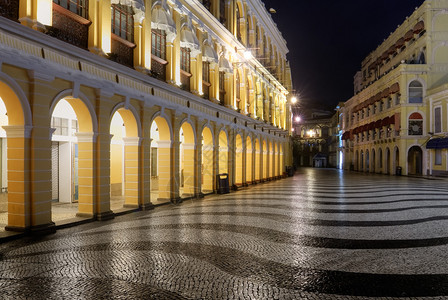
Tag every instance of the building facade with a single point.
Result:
(147, 100)
(396, 122)
(316, 139)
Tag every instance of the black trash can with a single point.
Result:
(289, 171)
(222, 183)
(398, 171)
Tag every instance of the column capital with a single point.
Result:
(87, 137)
(18, 131)
(132, 141)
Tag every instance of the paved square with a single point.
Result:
(322, 234)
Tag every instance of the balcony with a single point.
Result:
(206, 89)
(158, 67)
(122, 51)
(69, 27)
(185, 80)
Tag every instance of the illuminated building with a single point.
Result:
(397, 121)
(143, 100)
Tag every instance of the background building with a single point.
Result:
(396, 122)
(143, 100)
(315, 138)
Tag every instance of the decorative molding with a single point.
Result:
(86, 137)
(18, 131)
(132, 141)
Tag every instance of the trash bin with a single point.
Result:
(222, 182)
(290, 171)
(398, 171)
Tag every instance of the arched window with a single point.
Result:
(238, 23)
(247, 32)
(237, 87)
(415, 124)
(421, 58)
(257, 43)
(415, 92)
(222, 12)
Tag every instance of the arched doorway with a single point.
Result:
(361, 161)
(271, 161)
(161, 177)
(15, 115)
(265, 161)
(387, 163)
(4, 120)
(276, 161)
(249, 178)
(282, 166)
(397, 159)
(415, 160)
(72, 150)
(223, 159)
(124, 149)
(373, 161)
(239, 161)
(207, 161)
(367, 161)
(380, 160)
(257, 160)
(186, 163)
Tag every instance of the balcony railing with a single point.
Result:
(185, 80)
(122, 51)
(158, 67)
(69, 27)
(9, 9)
(206, 89)
(222, 95)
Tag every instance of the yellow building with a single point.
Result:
(139, 99)
(400, 101)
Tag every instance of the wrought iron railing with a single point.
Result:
(9, 9)
(69, 27)
(158, 68)
(185, 80)
(122, 51)
(206, 89)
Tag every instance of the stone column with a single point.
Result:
(131, 171)
(20, 208)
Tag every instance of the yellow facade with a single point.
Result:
(389, 123)
(191, 102)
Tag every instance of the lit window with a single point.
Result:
(437, 120)
(206, 71)
(438, 157)
(123, 22)
(415, 92)
(158, 39)
(185, 59)
(78, 7)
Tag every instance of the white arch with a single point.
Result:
(134, 113)
(15, 87)
(162, 114)
(83, 98)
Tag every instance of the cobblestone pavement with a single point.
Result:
(322, 234)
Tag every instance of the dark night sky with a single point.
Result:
(328, 39)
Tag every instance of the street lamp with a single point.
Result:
(298, 119)
(294, 100)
